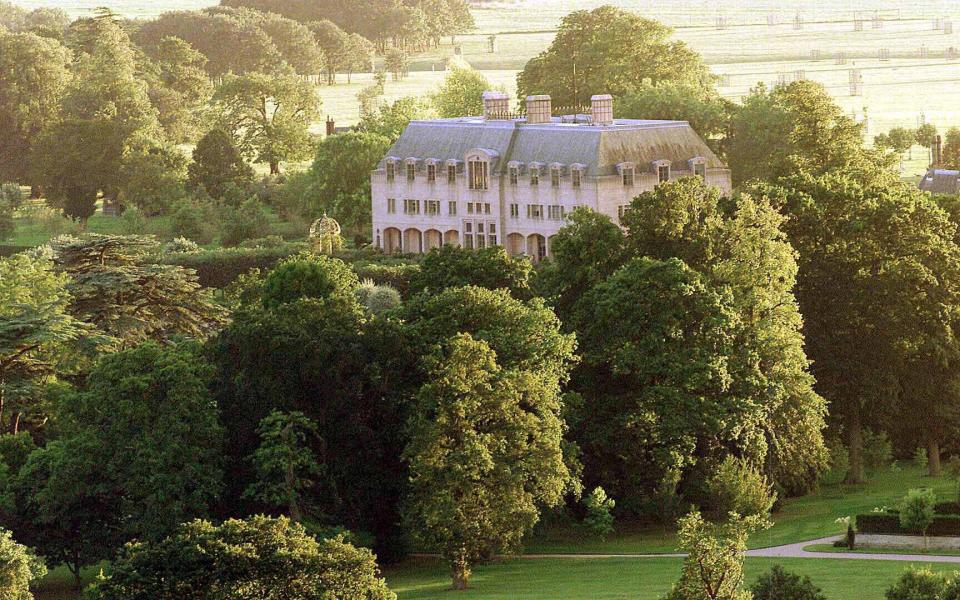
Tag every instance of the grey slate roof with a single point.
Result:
(600, 148)
(941, 181)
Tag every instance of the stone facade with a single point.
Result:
(501, 180)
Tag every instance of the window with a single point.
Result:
(514, 211)
(534, 211)
(481, 241)
(514, 172)
(700, 170)
(391, 170)
(411, 171)
(432, 207)
(451, 174)
(452, 208)
(469, 208)
(555, 212)
(468, 236)
(555, 177)
(492, 235)
(391, 205)
(627, 174)
(486, 208)
(663, 173)
(479, 173)
(576, 177)
(411, 207)
(432, 173)
(534, 175)
(621, 210)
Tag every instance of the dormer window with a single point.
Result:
(535, 174)
(627, 173)
(555, 172)
(411, 170)
(391, 169)
(513, 172)
(432, 171)
(452, 173)
(662, 168)
(699, 167)
(478, 171)
(576, 176)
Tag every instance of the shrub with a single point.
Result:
(11, 195)
(378, 299)
(220, 267)
(918, 584)
(920, 458)
(779, 584)
(839, 463)
(952, 589)
(851, 541)
(216, 164)
(739, 487)
(270, 241)
(916, 510)
(181, 244)
(19, 568)
(7, 227)
(308, 276)
(599, 519)
(256, 558)
(194, 219)
(246, 222)
(397, 276)
(878, 523)
(877, 450)
(133, 221)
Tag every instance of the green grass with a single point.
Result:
(799, 519)
(830, 549)
(626, 578)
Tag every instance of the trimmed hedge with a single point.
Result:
(220, 268)
(947, 508)
(889, 524)
(395, 275)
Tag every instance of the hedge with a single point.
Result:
(886, 523)
(10, 250)
(219, 268)
(947, 508)
(396, 275)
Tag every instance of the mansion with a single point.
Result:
(501, 180)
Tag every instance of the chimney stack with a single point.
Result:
(496, 106)
(937, 149)
(331, 126)
(539, 110)
(601, 108)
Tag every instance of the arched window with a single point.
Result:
(478, 173)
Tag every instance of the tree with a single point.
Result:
(918, 583)
(492, 268)
(925, 135)
(738, 487)
(917, 510)
(217, 164)
(460, 94)
(780, 584)
(269, 115)
(359, 55)
(34, 73)
(152, 178)
(39, 339)
(180, 88)
(609, 51)
(713, 568)
(599, 519)
(308, 276)
(247, 221)
(389, 120)
(338, 182)
(397, 62)
(334, 43)
(295, 42)
(258, 558)
(951, 148)
(485, 454)
(284, 462)
(705, 110)
(113, 287)
(106, 108)
(793, 127)
(20, 567)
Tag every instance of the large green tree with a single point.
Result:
(450, 266)
(258, 558)
(34, 73)
(218, 165)
(704, 108)
(609, 51)
(270, 115)
(460, 94)
(179, 87)
(485, 455)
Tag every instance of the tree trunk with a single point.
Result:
(75, 571)
(460, 571)
(294, 507)
(274, 168)
(933, 457)
(855, 447)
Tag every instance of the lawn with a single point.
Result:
(799, 519)
(629, 578)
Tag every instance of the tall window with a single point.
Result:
(432, 207)
(411, 171)
(576, 177)
(534, 211)
(468, 235)
(411, 207)
(391, 170)
(479, 174)
(481, 241)
(514, 175)
(663, 173)
(452, 174)
(534, 175)
(514, 211)
(555, 177)
(555, 212)
(492, 235)
(700, 170)
(486, 208)
(452, 208)
(391, 205)
(431, 172)
(627, 175)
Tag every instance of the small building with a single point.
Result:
(499, 179)
(941, 181)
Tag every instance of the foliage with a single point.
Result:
(151, 178)
(378, 299)
(34, 73)
(277, 133)
(389, 120)
(451, 266)
(705, 110)
(920, 458)
(217, 164)
(485, 454)
(460, 93)
(780, 584)
(308, 276)
(609, 51)
(7, 227)
(11, 195)
(599, 518)
(917, 510)
(713, 568)
(179, 87)
(193, 219)
(284, 462)
(838, 463)
(737, 487)
(918, 584)
(248, 221)
(20, 567)
(254, 559)
(877, 449)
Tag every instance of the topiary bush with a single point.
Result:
(780, 584)
(738, 487)
(920, 458)
(918, 584)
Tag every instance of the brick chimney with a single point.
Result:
(936, 151)
(539, 109)
(331, 126)
(601, 108)
(496, 106)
